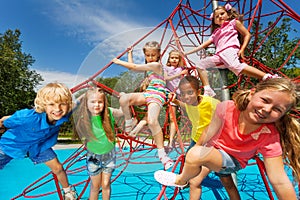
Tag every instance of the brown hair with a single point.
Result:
(232, 14)
(82, 118)
(288, 126)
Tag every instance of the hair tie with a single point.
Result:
(227, 6)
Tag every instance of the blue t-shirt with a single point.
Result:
(29, 133)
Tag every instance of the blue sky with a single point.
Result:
(60, 34)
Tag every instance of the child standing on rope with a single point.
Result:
(225, 31)
(33, 132)
(94, 122)
(173, 71)
(154, 97)
(255, 121)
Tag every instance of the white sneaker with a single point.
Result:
(209, 92)
(269, 76)
(71, 195)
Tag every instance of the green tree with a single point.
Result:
(278, 46)
(17, 81)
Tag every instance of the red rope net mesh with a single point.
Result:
(190, 23)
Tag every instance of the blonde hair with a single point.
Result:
(82, 117)
(181, 61)
(152, 45)
(288, 126)
(52, 92)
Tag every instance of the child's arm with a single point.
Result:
(153, 66)
(278, 178)
(2, 120)
(129, 54)
(172, 97)
(168, 78)
(246, 37)
(202, 46)
(212, 130)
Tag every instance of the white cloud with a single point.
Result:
(92, 21)
(68, 79)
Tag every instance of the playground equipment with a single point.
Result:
(190, 23)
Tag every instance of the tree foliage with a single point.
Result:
(17, 81)
(278, 46)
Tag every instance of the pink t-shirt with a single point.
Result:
(265, 140)
(225, 36)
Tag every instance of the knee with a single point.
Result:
(192, 155)
(153, 123)
(95, 187)
(106, 185)
(123, 99)
(57, 168)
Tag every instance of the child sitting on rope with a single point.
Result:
(226, 27)
(256, 121)
(154, 97)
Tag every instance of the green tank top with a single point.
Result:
(100, 145)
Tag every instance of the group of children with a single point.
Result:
(225, 135)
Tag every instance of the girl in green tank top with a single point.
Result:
(94, 122)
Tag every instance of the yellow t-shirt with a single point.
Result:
(201, 115)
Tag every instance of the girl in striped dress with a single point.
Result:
(154, 97)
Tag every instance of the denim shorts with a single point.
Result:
(192, 143)
(97, 163)
(4, 159)
(42, 157)
(229, 163)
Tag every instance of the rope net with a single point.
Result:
(190, 23)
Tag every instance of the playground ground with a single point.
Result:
(135, 182)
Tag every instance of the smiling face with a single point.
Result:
(55, 111)
(95, 103)
(188, 94)
(267, 106)
(220, 16)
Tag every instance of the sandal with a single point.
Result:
(167, 162)
(167, 179)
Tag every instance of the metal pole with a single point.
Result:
(225, 95)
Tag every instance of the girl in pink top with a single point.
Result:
(173, 72)
(256, 121)
(225, 31)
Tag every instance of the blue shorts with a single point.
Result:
(229, 164)
(96, 163)
(42, 157)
